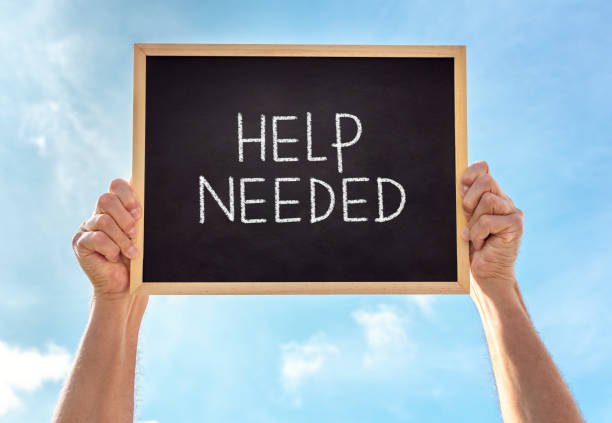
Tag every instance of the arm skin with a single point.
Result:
(100, 387)
(529, 385)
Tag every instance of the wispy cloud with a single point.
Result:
(392, 341)
(384, 333)
(26, 370)
(51, 81)
(63, 135)
(424, 303)
(41, 143)
(301, 361)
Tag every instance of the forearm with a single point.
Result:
(530, 387)
(100, 387)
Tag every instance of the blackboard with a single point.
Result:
(299, 169)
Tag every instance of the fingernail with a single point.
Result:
(132, 231)
(465, 233)
(132, 251)
(135, 212)
(464, 189)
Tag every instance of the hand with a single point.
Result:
(104, 243)
(494, 228)
(100, 387)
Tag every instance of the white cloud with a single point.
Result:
(26, 371)
(387, 347)
(424, 303)
(384, 333)
(148, 421)
(303, 361)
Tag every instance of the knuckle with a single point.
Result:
(517, 220)
(122, 241)
(75, 238)
(116, 183)
(104, 244)
(485, 220)
(468, 204)
(482, 164)
(106, 199)
(485, 165)
(488, 199)
(99, 238)
(104, 222)
(486, 179)
(129, 221)
(125, 245)
(79, 243)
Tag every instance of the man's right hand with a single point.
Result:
(104, 243)
(494, 228)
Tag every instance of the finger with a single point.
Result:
(491, 204)
(87, 243)
(508, 227)
(109, 203)
(127, 196)
(484, 183)
(472, 173)
(105, 223)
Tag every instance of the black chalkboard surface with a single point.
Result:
(299, 169)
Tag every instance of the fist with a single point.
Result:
(104, 243)
(494, 227)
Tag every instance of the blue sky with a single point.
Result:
(539, 110)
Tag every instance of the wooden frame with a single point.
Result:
(141, 51)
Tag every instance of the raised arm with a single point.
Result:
(529, 385)
(100, 387)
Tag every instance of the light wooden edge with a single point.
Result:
(318, 288)
(138, 160)
(299, 50)
(461, 162)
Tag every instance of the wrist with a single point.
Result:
(121, 313)
(497, 298)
